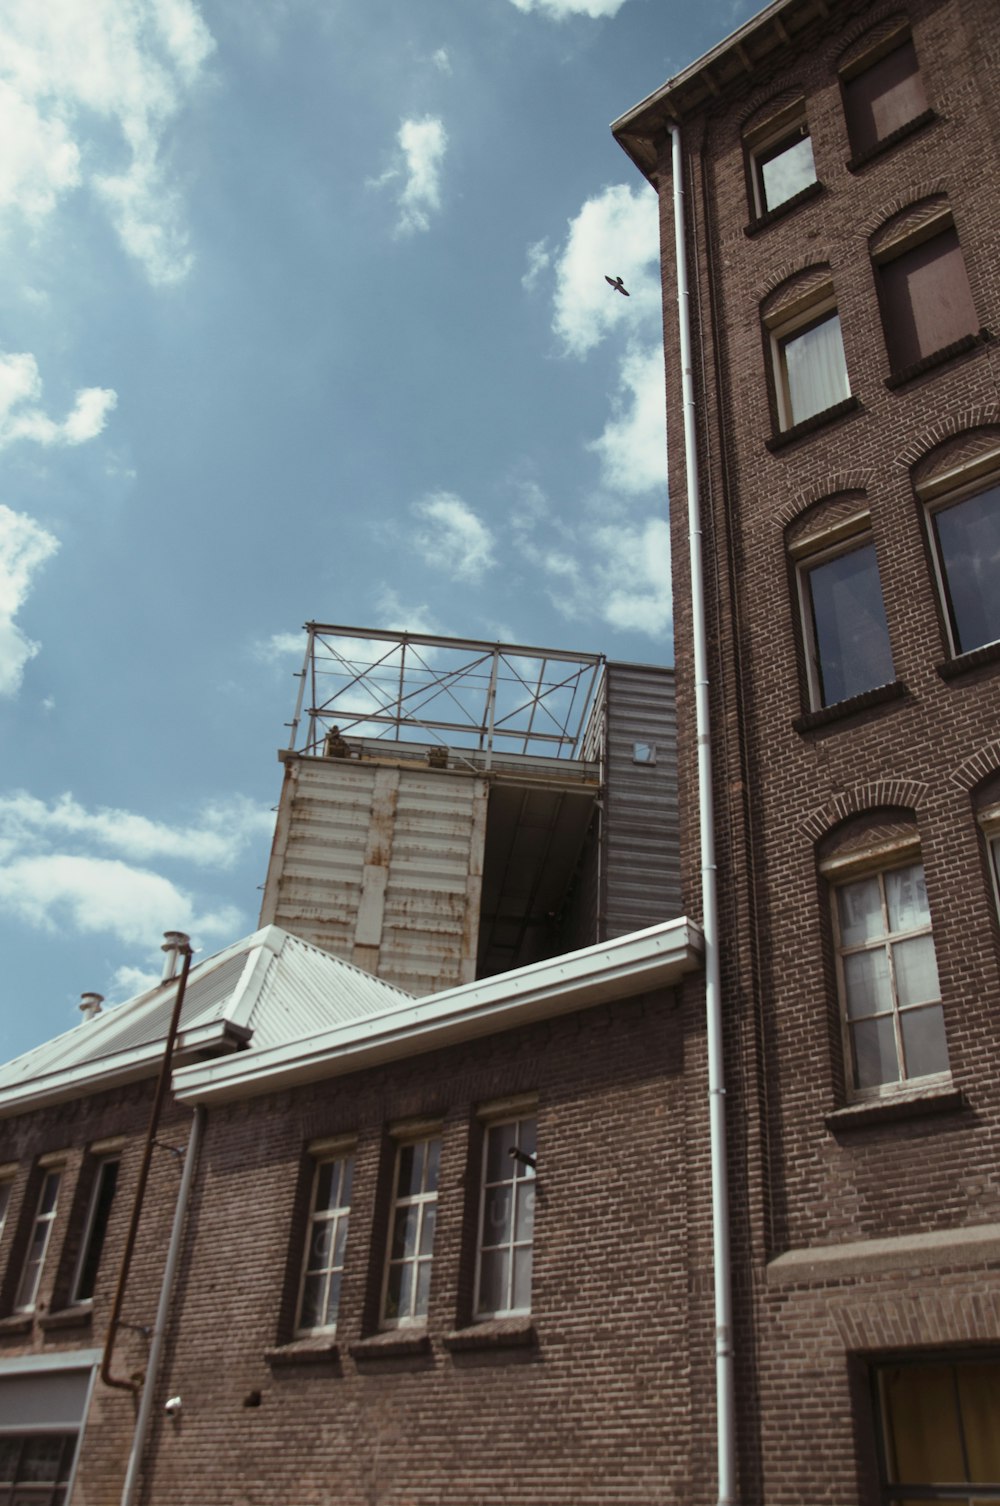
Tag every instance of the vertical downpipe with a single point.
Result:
(724, 1383)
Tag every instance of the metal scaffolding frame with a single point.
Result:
(453, 692)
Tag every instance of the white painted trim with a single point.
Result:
(654, 958)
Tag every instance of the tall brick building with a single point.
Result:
(834, 163)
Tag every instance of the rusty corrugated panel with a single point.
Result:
(641, 828)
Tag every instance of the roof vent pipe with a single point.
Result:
(174, 943)
(90, 1005)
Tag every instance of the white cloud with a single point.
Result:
(217, 839)
(441, 60)
(279, 646)
(423, 143)
(128, 982)
(615, 234)
(54, 890)
(539, 259)
(21, 417)
(68, 71)
(632, 447)
(560, 9)
(452, 537)
(634, 576)
(24, 548)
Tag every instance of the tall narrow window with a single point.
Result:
(938, 1429)
(41, 1231)
(965, 537)
(780, 157)
(411, 1233)
(888, 979)
(883, 93)
(507, 1219)
(98, 1217)
(323, 1267)
(845, 631)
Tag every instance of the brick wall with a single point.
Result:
(805, 1172)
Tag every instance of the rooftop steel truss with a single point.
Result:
(455, 692)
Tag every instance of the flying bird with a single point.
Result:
(617, 284)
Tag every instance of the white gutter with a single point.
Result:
(724, 1384)
(657, 957)
(163, 1310)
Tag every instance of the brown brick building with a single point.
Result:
(414, 1237)
(840, 252)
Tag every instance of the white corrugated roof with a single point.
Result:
(265, 991)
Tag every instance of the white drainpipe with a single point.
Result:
(724, 1387)
(163, 1310)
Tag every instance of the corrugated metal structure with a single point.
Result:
(522, 824)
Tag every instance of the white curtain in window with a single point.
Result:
(815, 369)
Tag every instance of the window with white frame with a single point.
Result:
(412, 1219)
(810, 368)
(965, 543)
(844, 628)
(507, 1218)
(98, 1217)
(939, 1438)
(887, 978)
(323, 1266)
(781, 159)
(38, 1243)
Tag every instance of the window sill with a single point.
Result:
(910, 1103)
(394, 1344)
(976, 658)
(80, 1316)
(498, 1333)
(909, 128)
(317, 1351)
(16, 1323)
(811, 424)
(840, 710)
(761, 222)
(937, 358)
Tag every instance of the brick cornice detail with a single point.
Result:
(984, 761)
(862, 798)
(913, 1320)
(793, 270)
(821, 491)
(928, 198)
(868, 26)
(947, 427)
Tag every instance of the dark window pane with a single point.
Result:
(501, 1138)
(924, 1045)
(850, 635)
(496, 1216)
(433, 1153)
(875, 1060)
(427, 1229)
(312, 1302)
(493, 1281)
(404, 1232)
(104, 1196)
(968, 536)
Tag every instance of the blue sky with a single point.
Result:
(303, 317)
